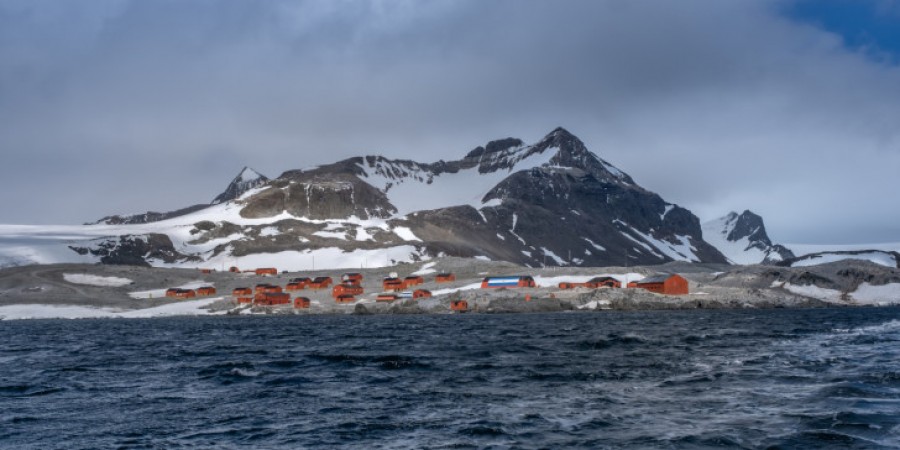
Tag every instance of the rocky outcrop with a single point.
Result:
(136, 250)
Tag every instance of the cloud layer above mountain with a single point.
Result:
(115, 106)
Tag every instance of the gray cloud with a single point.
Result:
(122, 106)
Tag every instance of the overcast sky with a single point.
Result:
(788, 108)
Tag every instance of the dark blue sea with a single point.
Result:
(779, 379)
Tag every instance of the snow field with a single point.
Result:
(95, 280)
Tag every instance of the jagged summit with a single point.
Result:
(742, 238)
(243, 182)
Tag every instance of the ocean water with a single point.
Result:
(780, 379)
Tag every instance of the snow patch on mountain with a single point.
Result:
(410, 188)
(877, 257)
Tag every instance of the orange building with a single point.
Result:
(445, 278)
(301, 303)
(459, 305)
(421, 293)
(412, 280)
(267, 271)
(267, 289)
(185, 293)
(386, 297)
(667, 284)
(206, 290)
(392, 284)
(320, 283)
(271, 299)
(242, 292)
(351, 289)
(352, 277)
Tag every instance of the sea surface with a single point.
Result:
(781, 379)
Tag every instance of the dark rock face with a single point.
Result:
(319, 195)
(136, 250)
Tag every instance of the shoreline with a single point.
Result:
(98, 291)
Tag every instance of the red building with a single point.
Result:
(444, 278)
(459, 305)
(667, 284)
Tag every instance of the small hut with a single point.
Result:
(386, 297)
(352, 278)
(413, 280)
(459, 305)
(320, 283)
(206, 290)
(301, 303)
(267, 271)
(444, 278)
(392, 284)
(242, 292)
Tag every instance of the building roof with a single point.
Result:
(602, 279)
(656, 278)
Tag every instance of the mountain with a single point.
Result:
(552, 202)
(243, 182)
(742, 238)
(246, 180)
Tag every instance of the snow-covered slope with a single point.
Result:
(882, 258)
(413, 188)
(742, 239)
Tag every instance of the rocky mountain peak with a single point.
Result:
(247, 179)
(742, 238)
(747, 225)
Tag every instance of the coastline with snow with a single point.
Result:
(98, 291)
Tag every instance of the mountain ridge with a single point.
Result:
(553, 202)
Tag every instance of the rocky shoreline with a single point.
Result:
(129, 291)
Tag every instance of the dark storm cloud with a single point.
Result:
(122, 106)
